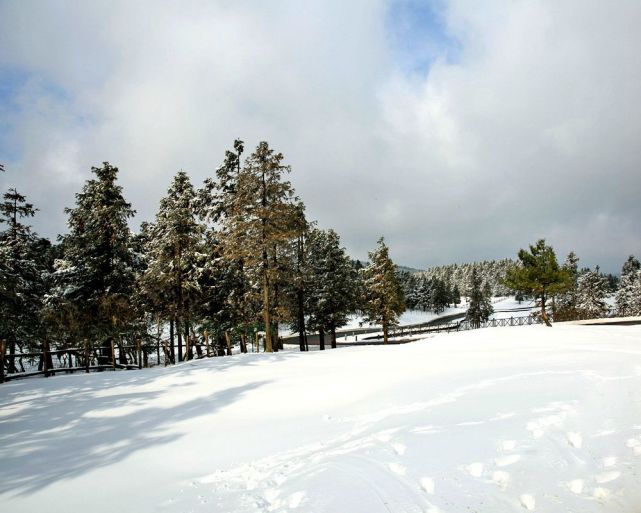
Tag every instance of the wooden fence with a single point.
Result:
(90, 357)
(464, 325)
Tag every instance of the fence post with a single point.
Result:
(138, 345)
(113, 354)
(86, 341)
(3, 347)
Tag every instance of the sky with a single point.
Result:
(459, 130)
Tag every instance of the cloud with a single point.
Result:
(528, 129)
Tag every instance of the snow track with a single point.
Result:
(506, 420)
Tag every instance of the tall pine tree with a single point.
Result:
(22, 274)
(627, 295)
(260, 218)
(97, 272)
(170, 281)
(384, 295)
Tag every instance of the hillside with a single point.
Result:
(494, 420)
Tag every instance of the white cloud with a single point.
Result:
(532, 131)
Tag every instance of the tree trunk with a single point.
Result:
(86, 356)
(333, 336)
(385, 331)
(189, 350)
(180, 340)
(266, 317)
(321, 338)
(300, 298)
(275, 338)
(45, 363)
(12, 358)
(171, 341)
(122, 354)
(544, 314)
(2, 350)
(228, 341)
(243, 343)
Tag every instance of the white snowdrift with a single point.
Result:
(494, 420)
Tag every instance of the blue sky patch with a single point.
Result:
(419, 35)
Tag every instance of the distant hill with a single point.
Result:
(410, 270)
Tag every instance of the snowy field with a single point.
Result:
(495, 420)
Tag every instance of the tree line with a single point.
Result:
(228, 260)
(236, 258)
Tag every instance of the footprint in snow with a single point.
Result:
(399, 448)
(474, 469)
(575, 439)
(397, 469)
(576, 486)
(601, 493)
(507, 460)
(508, 445)
(607, 477)
(296, 499)
(635, 445)
(527, 501)
(501, 478)
(427, 484)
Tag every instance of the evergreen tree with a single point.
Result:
(440, 295)
(626, 295)
(216, 204)
(260, 219)
(567, 305)
(170, 282)
(23, 259)
(592, 290)
(480, 307)
(635, 295)
(384, 295)
(332, 288)
(455, 298)
(539, 274)
(96, 277)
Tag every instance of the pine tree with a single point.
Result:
(626, 296)
(635, 294)
(384, 296)
(216, 204)
(567, 304)
(480, 306)
(539, 274)
(260, 218)
(331, 294)
(96, 277)
(170, 282)
(592, 290)
(23, 260)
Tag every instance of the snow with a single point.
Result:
(407, 318)
(494, 420)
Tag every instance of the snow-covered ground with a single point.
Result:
(495, 420)
(408, 317)
(506, 307)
